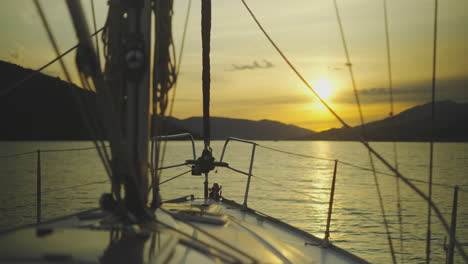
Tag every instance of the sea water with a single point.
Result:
(295, 189)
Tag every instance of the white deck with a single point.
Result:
(208, 232)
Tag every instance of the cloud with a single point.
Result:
(254, 66)
(274, 100)
(455, 89)
(335, 68)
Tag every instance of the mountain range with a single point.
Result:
(414, 124)
(222, 128)
(43, 108)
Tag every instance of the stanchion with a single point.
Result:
(38, 187)
(453, 227)
(246, 196)
(330, 206)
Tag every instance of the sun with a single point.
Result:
(324, 88)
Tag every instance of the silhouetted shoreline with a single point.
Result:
(43, 108)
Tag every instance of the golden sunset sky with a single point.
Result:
(307, 31)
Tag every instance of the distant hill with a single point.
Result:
(43, 108)
(39, 109)
(414, 124)
(222, 128)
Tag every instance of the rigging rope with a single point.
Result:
(282, 186)
(352, 165)
(177, 70)
(175, 177)
(181, 52)
(366, 145)
(298, 74)
(78, 99)
(70, 149)
(52, 39)
(92, 124)
(294, 154)
(395, 124)
(363, 126)
(37, 71)
(17, 154)
(164, 75)
(66, 72)
(206, 78)
(431, 144)
(164, 78)
(96, 39)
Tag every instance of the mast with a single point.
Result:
(122, 95)
(136, 109)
